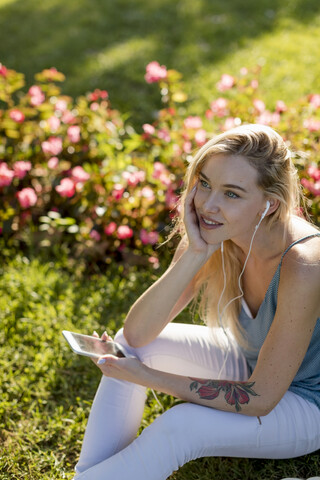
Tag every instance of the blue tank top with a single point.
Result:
(306, 383)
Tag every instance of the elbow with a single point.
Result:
(132, 338)
(263, 409)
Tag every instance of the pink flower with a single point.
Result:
(117, 191)
(160, 172)
(73, 133)
(149, 237)
(37, 96)
(27, 197)
(200, 137)
(259, 105)
(171, 199)
(315, 100)
(314, 172)
(148, 129)
(314, 188)
(97, 94)
(209, 114)
(312, 124)
(68, 117)
(164, 134)
(16, 115)
(66, 188)
(52, 146)
(53, 162)
(193, 122)
(21, 168)
(243, 71)
(147, 193)
(133, 178)
(124, 232)
(229, 123)
(225, 83)
(79, 174)
(54, 123)
(219, 107)
(268, 118)
(61, 105)
(187, 147)
(95, 235)
(254, 84)
(158, 169)
(155, 72)
(3, 70)
(110, 229)
(281, 106)
(154, 261)
(6, 175)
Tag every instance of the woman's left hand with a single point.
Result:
(128, 369)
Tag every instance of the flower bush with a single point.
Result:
(74, 175)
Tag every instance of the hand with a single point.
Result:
(196, 242)
(128, 369)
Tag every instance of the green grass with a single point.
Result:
(46, 390)
(107, 44)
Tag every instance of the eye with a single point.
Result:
(231, 194)
(203, 183)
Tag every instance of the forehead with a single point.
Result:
(234, 169)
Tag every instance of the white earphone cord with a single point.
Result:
(239, 284)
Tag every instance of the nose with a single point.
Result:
(211, 203)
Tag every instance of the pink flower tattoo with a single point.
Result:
(235, 393)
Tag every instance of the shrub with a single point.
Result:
(76, 177)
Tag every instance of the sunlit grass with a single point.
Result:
(46, 390)
(108, 44)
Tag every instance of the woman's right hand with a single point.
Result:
(196, 242)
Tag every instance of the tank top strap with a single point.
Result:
(298, 241)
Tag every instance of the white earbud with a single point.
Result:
(266, 210)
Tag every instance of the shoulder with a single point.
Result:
(306, 248)
(300, 273)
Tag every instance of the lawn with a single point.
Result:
(107, 44)
(46, 390)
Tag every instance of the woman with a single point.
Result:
(256, 365)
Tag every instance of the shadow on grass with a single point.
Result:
(107, 44)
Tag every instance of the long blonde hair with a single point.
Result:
(266, 151)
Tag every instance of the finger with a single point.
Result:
(105, 337)
(110, 359)
(95, 334)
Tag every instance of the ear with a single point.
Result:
(274, 204)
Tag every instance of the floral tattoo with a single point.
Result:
(235, 393)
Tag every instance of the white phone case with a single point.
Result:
(92, 346)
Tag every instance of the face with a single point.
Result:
(228, 201)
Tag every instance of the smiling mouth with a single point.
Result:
(206, 223)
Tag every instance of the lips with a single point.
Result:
(209, 223)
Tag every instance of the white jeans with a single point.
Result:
(187, 431)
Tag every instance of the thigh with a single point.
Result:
(192, 350)
(190, 431)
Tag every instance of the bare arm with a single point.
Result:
(279, 359)
(163, 300)
(174, 290)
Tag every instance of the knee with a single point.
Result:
(173, 423)
(120, 338)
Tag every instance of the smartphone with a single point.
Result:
(92, 346)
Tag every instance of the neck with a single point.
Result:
(267, 243)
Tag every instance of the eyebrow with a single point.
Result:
(227, 185)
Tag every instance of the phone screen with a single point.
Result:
(91, 346)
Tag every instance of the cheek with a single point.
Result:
(198, 198)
